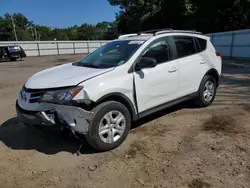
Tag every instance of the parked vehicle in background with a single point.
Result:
(127, 79)
(12, 53)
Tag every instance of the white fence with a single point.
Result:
(233, 44)
(42, 48)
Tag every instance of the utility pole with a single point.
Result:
(33, 38)
(14, 27)
(35, 33)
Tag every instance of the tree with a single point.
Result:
(202, 15)
(25, 30)
(223, 15)
(137, 15)
(5, 29)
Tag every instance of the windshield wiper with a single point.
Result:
(93, 65)
(87, 65)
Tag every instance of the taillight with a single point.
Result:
(218, 54)
(23, 52)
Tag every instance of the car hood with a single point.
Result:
(62, 76)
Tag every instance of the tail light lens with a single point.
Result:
(218, 54)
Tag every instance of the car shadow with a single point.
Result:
(159, 114)
(236, 67)
(17, 136)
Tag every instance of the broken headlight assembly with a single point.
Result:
(64, 96)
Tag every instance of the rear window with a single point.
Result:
(14, 48)
(185, 46)
(202, 44)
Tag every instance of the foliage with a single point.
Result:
(203, 15)
(27, 30)
(137, 15)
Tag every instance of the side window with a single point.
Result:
(159, 50)
(202, 43)
(185, 46)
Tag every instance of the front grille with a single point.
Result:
(35, 94)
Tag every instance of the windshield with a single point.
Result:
(111, 54)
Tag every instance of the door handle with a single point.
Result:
(173, 69)
(203, 62)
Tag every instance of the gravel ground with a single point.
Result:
(179, 147)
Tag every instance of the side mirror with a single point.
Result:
(146, 62)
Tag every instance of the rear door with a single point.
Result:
(191, 64)
(158, 85)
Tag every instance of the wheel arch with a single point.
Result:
(123, 99)
(213, 72)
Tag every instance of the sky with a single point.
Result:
(61, 13)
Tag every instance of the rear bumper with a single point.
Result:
(59, 116)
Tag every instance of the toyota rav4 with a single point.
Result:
(124, 80)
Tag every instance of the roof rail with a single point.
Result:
(131, 35)
(159, 32)
(127, 35)
(177, 31)
(154, 31)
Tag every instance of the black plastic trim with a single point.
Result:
(199, 45)
(196, 46)
(123, 97)
(219, 76)
(48, 89)
(167, 105)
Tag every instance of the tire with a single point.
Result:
(16, 58)
(103, 114)
(201, 100)
(19, 58)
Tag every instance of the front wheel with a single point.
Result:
(207, 91)
(109, 127)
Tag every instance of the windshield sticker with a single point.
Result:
(121, 62)
(136, 42)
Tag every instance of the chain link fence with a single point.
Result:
(232, 45)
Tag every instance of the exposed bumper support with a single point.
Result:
(59, 115)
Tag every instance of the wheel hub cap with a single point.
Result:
(208, 92)
(112, 127)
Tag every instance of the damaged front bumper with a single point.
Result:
(58, 116)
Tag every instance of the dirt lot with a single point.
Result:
(180, 147)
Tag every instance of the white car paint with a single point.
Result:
(191, 75)
(61, 76)
(153, 86)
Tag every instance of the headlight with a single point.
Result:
(61, 96)
(22, 93)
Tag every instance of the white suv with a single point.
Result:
(127, 79)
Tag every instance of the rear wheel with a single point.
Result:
(110, 126)
(207, 91)
(19, 59)
(16, 58)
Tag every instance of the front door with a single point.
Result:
(158, 85)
